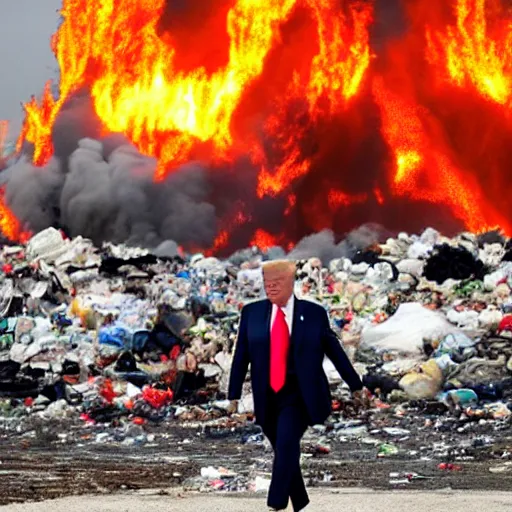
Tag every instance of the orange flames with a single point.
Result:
(264, 240)
(137, 90)
(338, 198)
(423, 170)
(290, 164)
(475, 52)
(294, 72)
(344, 53)
(9, 225)
(335, 76)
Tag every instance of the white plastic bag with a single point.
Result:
(405, 331)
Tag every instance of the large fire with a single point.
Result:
(473, 53)
(10, 227)
(291, 93)
(423, 168)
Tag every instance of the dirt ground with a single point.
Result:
(64, 459)
(354, 500)
(38, 474)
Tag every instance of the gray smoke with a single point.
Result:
(323, 244)
(75, 121)
(33, 193)
(361, 238)
(108, 193)
(167, 249)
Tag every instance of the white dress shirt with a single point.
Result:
(288, 313)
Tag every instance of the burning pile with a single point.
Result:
(236, 122)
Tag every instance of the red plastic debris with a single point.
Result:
(217, 484)
(29, 401)
(379, 404)
(138, 420)
(175, 352)
(379, 318)
(85, 417)
(7, 268)
(505, 324)
(448, 466)
(107, 391)
(156, 397)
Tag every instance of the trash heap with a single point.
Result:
(118, 332)
(429, 319)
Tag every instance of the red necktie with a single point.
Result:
(279, 345)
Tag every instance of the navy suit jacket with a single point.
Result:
(312, 339)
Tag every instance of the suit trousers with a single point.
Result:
(285, 424)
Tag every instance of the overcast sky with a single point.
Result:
(26, 59)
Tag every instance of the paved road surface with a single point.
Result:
(352, 500)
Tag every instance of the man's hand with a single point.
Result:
(362, 399)
(233, 407)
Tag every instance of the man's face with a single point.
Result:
(279, 286)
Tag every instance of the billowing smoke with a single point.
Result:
(111, 195)
(102, 187)
(324, 246)
(33, 194)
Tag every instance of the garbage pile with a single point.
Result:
(118, 332)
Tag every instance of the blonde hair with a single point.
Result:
(279, 266)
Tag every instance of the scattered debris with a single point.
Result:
(119, 341)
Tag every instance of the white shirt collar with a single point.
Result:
(288, 312)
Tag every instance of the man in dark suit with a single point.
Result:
(284, 340)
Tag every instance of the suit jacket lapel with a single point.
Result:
(267, 316)
(267, 319)
(298, 324)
